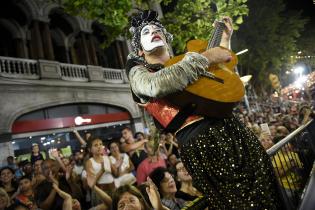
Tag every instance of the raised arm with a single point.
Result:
(54, 153)
(129, 147)
(79, 137)
(67, 199)
(107, 200)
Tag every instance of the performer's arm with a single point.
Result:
(169, 79)
(227, 33)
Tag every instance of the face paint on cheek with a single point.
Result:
(150, 46)
(149, 40)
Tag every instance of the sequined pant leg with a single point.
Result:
(231, 168)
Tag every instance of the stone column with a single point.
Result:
(119, 54)
(92, 50)
(47, 42)
(20, 48)
(6, 149)
(36, 41)
(74, 56)
(84, 49)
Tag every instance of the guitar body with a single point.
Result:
(213, 98)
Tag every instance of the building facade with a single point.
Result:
(50, 59)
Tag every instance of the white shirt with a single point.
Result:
(107, 176)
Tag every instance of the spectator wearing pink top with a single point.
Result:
(153, 161)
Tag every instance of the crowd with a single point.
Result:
(281, 120)
(134, 172)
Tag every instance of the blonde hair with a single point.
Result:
(5, 194)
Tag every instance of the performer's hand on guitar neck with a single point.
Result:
(227, 33)
(217, 55)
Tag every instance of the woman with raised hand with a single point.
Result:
(99, 166)
(122, 166)
(166, 186)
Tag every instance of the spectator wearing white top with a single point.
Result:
(99, 165)
(122, 166)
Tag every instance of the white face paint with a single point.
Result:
(152, 37)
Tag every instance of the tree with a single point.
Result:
(112, 14)
(193, 19)
(270, 33)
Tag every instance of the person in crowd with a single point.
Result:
(122, 166)
(282, 131)
(288, 166)
(38, 176)
(78, 163)
(27, 168)
(171, 144)
(171, 162)
(11, 163)
(273, 130)
(266, 141)
(135, 149)
(129, 197)
(26, 194)
(99, 165)
(166, 186)
(162, 148)
(36, 155)
(69, 175)
(139, 136)
(186, 191)
(46, 196)
(5, 200)
(7, 181)
(217, 152)
(256, 129)
(154, 160)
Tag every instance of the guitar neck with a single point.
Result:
(216, 36)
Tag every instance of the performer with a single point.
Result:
(225, 159)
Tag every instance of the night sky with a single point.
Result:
(306, 6)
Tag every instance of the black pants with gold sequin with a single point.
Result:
(229, 165)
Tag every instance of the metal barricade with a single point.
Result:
(292, 159)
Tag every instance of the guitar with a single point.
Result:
(215, 93)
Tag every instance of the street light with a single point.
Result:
(298, 70)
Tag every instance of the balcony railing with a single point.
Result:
(71, 72)
(42, 69)
(292, 159)
(113, 75)
(18, 68)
